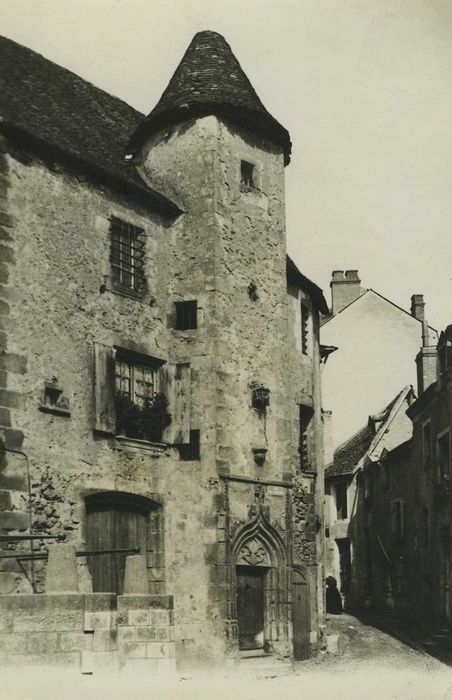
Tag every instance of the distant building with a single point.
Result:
(430, 541)
(402, 538)
(353, 534)
(160, 387)
(375, 340)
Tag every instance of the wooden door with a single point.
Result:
(112, 526)
(250, 606)
(300, 616)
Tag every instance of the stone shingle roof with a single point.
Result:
(210, 80)
(350, 452)
(48, 107)
(347, 455)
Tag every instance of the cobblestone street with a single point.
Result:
(370, 664)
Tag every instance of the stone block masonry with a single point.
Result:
(90, 632)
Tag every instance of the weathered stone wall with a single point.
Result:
(91, 632)
(63, 304)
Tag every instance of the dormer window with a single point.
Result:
(247, 180)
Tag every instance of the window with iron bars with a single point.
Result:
(127, 255)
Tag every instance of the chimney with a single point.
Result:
(426, 358)
(328, 451)
(345, 288)
(417, 306)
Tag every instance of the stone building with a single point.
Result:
(376, 342)
(431, 498)
(402, 502)
(357, 510)
(160, 372)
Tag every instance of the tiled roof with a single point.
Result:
(47, 106)
(350, 452)
(210, 80)
(347, 455)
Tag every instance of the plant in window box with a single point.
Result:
(155, 417)
(145, 422)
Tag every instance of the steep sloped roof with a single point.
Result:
(47, 105)
(348, 455)
(294, 275)
(210, 80)
(350, 452)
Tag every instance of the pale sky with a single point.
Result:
(363, 86)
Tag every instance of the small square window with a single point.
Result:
(246, 175)
(192, 451)
(186, 315)
(127, 256)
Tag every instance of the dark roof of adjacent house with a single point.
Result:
(296, 277)
(347, 455)
(50, 108)
(350, 452)
(210, 80)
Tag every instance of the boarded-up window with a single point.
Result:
(114, 521)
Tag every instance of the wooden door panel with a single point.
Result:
(250, 607)
(300, 617)
(111, 528)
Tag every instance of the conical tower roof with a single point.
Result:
(210, 80)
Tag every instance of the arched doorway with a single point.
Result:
(260, 581)
(115, 520)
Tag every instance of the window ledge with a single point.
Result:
(109, 286)
(56, 410)
(157, 448)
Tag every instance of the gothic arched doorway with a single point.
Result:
(260, 585)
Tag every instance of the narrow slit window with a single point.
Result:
(127, 255)
(304, 329)
(305, 415)
(341, 501)
(186, 315)
(246, 175)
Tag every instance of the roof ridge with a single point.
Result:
(72, 73)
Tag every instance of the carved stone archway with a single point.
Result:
(257, 544)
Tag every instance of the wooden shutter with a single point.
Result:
(176, 385)
(301, 619)
(104, 389)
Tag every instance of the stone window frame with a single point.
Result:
(257, 166)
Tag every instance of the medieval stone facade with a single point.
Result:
(160, 364)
